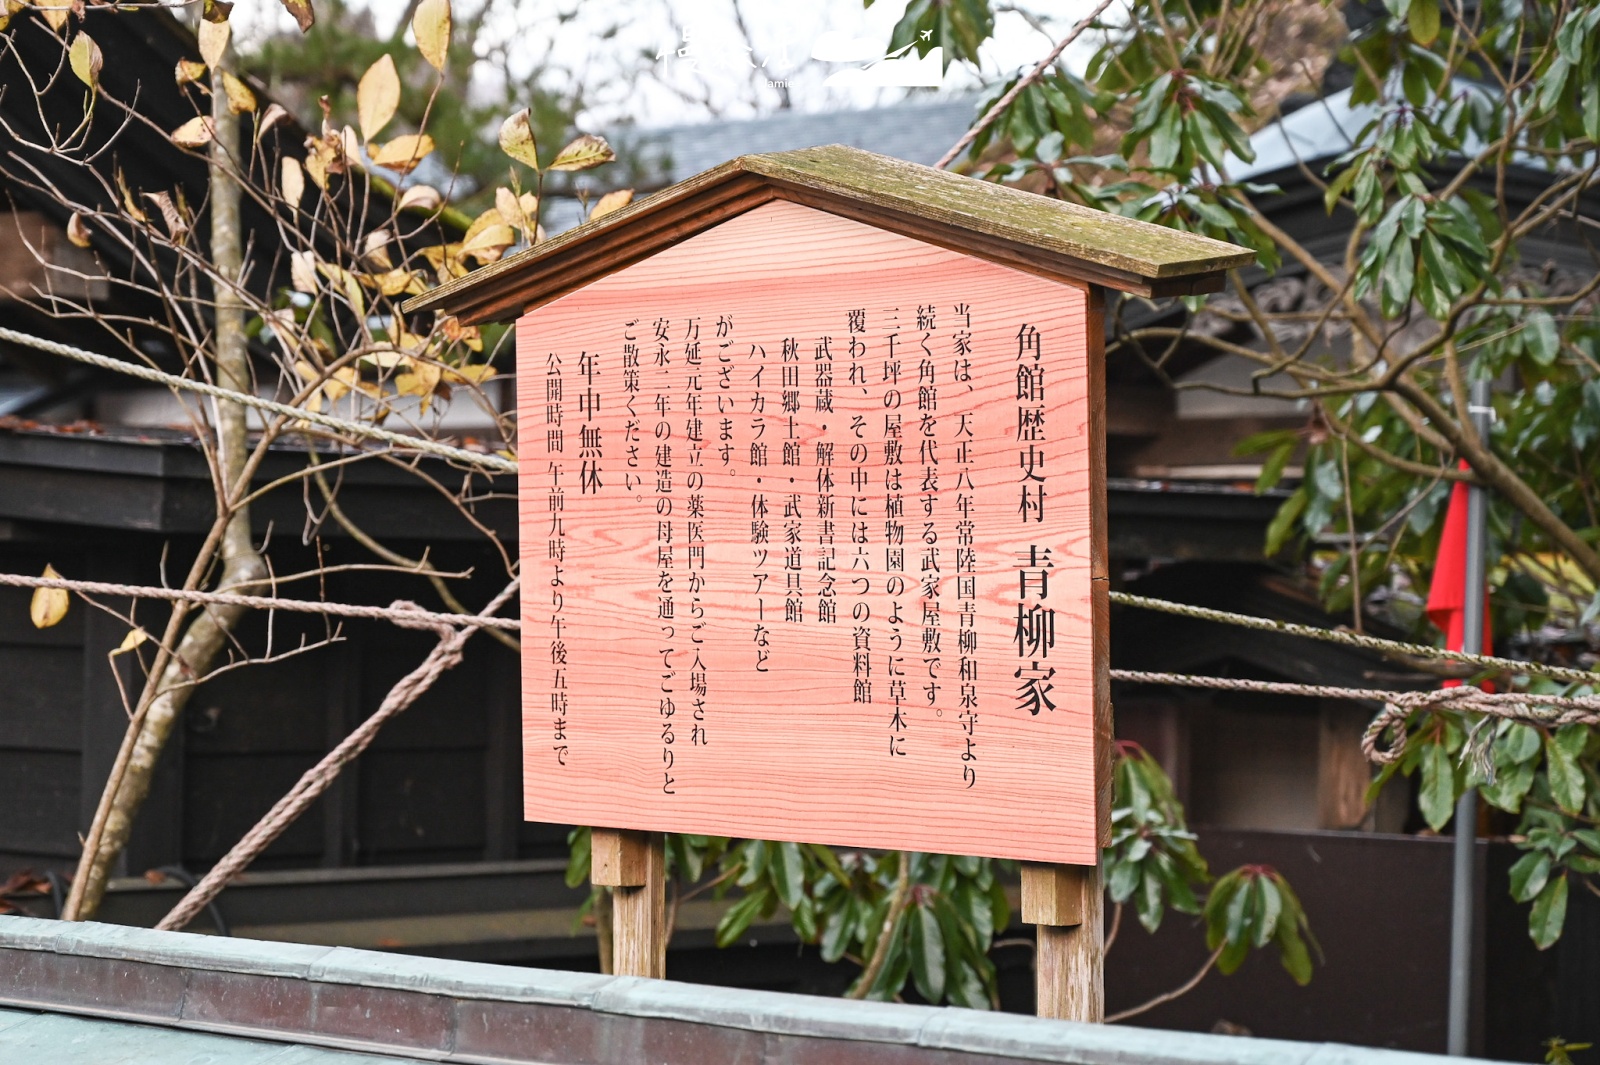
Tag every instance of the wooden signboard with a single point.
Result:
(813, 524)
(806, 522)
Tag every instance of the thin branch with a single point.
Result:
(1177, 992)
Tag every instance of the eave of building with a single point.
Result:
(991, 221)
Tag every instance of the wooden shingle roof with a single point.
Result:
(980, 218)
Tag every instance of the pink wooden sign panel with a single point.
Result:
(805, 544)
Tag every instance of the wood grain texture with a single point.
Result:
(728, 717)
(1105, 736)
(1069, 965)
(618, 858)
(639, 913)
(1052, 894)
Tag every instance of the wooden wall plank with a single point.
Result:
(44, 694)
(39, 801)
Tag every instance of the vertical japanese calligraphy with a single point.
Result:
(819, 562)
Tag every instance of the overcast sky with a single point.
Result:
(607, 44)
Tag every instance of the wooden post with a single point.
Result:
(1064, 903)
(634, 866)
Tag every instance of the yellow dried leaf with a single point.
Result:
(49, 605)
(303, 271)
(431, 27)
(584, 152)
(134, 638)
(386, 358)
(404, 152)
(419, 198)
(517, 141)
(345, 380)
(446, 260)
(274, 114)
(377, 97)
(317, 170)
(419, 380)
(491, 223)
(78, 231)
(213, 38)
(55, 12)
(475, 374)
(86, 60)
(522, 213)
(348, 282)
(454, 332)
(350, 146)
(375, 250)
(188, 70)
(611, 201)
(292, 180)
(195, 133)
(129, 203)
(398, 282)
(240, 98)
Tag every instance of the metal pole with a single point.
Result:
(1466, 818)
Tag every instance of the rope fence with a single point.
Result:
(1357, 639)
(1548, 711)
(405, 615)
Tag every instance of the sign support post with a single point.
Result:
(1063, 902)
(633, 865)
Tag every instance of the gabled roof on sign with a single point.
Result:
(980, 218)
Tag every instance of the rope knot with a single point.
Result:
(402, 606)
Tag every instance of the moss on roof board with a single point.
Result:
(982, 218)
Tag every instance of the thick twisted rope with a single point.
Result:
(1547, 710)
(1356, 639)
(343, 425)
(316, 780)
(407, 615)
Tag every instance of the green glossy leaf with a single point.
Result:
(1165, 140)
(1567, 784)
(1548, 914)
(1283, 522)
(927, 954)
(1423, 20)
(1437, 796)
(740, 915)
(1271, 911)
(580, 857)
(788, 873)
(1122, 880)
(836, 931)
(1510, 786)
(1529, 875)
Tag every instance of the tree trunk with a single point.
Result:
(167, 691)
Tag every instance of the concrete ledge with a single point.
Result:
(427, 1009)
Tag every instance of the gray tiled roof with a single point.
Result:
(655, 157)
(919, 132)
